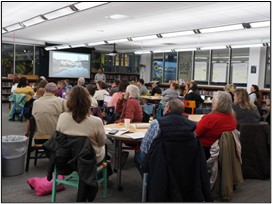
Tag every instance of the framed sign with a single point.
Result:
(253, 69)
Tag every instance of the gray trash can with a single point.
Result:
(14, 148)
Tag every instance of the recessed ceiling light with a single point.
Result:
(260, 24)
(117, 17)
(14, 27)
(222, 28)
(86, 5)
(58, 13)
(33, 21)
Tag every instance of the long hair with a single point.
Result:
(223, 102)
(123, 85)
(242, 99)
(257, 91)
(79, 103)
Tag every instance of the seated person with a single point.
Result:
(25, 89)
(114, 87)
(172, 92)
(61, 88)
(221, 119)
(46, 110)
(129, 105)
(177, 138)
(118, 95)
(91, 89)
(101, 91)
(267, 111)
(186, 89)
(80, 123)
(142, 88)
(193, 95)
(245, 110)
(155, 89)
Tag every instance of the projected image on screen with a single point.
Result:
(69, 64)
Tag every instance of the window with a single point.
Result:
(185, 65)
(24, 59)
(268, 69)
(107, 62)
(157, 67)
(220, 63)
(170, 69)
(239, 65)
(7, 64)
(201, 65)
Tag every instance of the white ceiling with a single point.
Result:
(145, 18)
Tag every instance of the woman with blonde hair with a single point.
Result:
(221, 119)
(245, 110)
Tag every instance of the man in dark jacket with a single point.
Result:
(70, 153)
(174, 159)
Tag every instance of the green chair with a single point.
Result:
(73, 180)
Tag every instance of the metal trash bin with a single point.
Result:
(14, 148)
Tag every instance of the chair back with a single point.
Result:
(255, 142)
(190, 104)
(225, 165)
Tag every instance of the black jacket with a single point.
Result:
(73, 153)
(176, 165)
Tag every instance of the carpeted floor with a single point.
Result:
(16, 190)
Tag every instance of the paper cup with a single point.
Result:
(127, 123)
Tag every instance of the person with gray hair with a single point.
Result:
(46, 110)
(221, 119)
(81, 81)
(129, 105)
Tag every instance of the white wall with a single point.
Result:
(256, 58)
(145, 73)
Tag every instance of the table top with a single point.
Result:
(132, 129)
(152, 97)
(195, 117)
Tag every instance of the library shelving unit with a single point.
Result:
(7, 84)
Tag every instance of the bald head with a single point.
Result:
(175, 105)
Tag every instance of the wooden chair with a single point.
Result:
(35, 144)
(73, 180)
(189, 104)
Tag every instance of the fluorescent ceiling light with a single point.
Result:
(50, 48)
(96, 43)
(245, 46)
(166, 35)
(223, 28)
(63, 47)
(3, 31)
(58, 13)
(260, 24)
(118, 41)
(86, 5)
(13, 27)
(160, 51)
(213, 48)
(185, 49)
(117, 17)
(33, 21)
(78, 45)
(142, 52)
(148, 37)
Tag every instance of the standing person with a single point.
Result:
(155, 89)
(221, 119)
(114, 87)
(78, 122)
(100, 76)
(245, 110)
(142, 88)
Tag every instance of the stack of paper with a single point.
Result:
(142, 126)
(136, 135)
